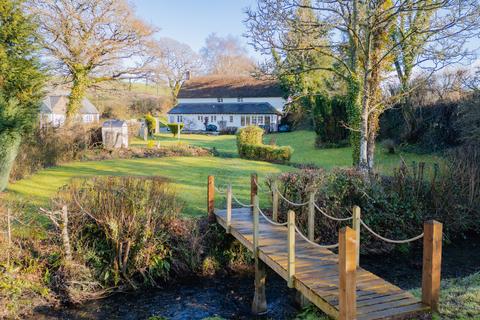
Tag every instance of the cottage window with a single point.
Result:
(231, 118)
(254, 119)
(260, 119)
(179, 119)
(239, 99)
(242, 121)
(219, 99)
(214, 118)
(172, 119)
(247, 120)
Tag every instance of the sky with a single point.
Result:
(191, 21)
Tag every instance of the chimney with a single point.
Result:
(187, 75)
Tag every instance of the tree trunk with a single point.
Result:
(79, 90)
(9, 145)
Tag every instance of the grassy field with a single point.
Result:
(304, 150)
(189, 175)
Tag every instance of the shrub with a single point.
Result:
(175, 128)
(229, 130)
(249, 135)
(151, 124)
(395, 207)
(389, 145)
(48, 146)
(120, 227)
(266, 152)
(250, 146)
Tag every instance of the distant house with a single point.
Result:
(54, 107)
(228, 102)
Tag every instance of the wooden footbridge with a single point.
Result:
(334, 283)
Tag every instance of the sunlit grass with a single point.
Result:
(188, 174)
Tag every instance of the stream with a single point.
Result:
(230, 297)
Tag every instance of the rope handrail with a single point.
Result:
(241, 203)
(219, 190)
(260, 189)
(328, 246)
(269, 220)
(390, 240)
(290, 202)
(329, 216)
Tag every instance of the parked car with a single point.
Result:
(284, 128)
(211, 128)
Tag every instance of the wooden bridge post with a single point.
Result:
(291, 248)
(356, 225)
(253, 187)
(432, 262)
(259, 304)
(311, 217)
(274, 201)
(229, 208)
(347, 269)
(211, 199)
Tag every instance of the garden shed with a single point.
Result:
(115, 134)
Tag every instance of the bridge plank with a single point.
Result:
(317, 274)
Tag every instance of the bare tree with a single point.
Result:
(92, 41)
(363, 49)
(173, 61)
(226, 55)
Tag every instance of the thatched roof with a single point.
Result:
(229, 87)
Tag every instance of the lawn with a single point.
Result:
(304, 150)
(189, 175)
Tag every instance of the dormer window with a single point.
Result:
(219, 99)
(239, 99)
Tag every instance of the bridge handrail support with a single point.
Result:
(311, 217)
(211, 199)
(356, 226)
(432, 262)
(291, 248)
(347, 273)
(275, 200)
(229, 208)
(253, 188)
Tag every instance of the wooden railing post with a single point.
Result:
(432, 261)
(253, 187)
(311, 217)
(356, 225)
(347, 269)
(274, 201)
(211, 199)
(291, 248)
(229, 208)
(259, 304)
(256, 221)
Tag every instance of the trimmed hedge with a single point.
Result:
(174, 128)
(265, 152)
(250, 146)
(249, 135)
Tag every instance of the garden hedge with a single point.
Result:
(250, 146)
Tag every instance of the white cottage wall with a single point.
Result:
(277, 102)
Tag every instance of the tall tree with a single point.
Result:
(173, 61)
(92, 41)
(361, 49)
(226, 55)
(21, 81)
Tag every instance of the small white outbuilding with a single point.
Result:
(115, 134)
